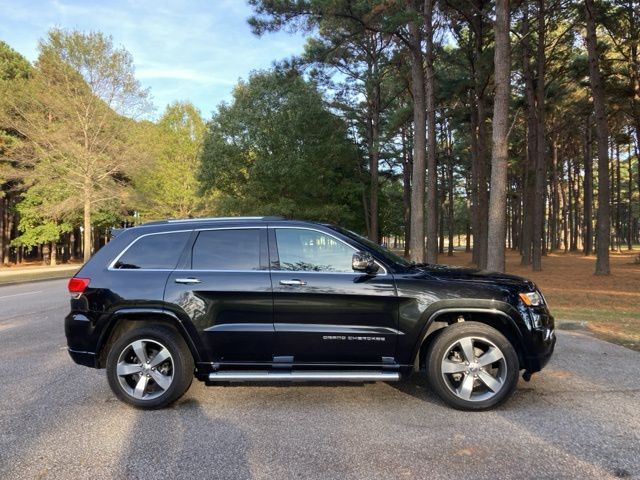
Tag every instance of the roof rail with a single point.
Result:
(209, 219)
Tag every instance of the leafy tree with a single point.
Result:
(276, 149)
(39, 223)
(71, 113)
(13, 66)
(168, 186)
(364, 94)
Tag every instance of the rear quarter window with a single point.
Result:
(154, 251)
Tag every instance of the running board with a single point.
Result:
(303, 376)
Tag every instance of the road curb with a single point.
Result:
(572, 324)
(61, 276)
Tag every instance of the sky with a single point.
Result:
(192, 50)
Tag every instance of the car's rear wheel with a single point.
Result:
(472, 366)
(150, 366)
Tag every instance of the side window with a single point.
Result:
(160, 251)
(233, 249)
(309, 250)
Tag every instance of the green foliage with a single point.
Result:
(12, 64)
(391, 208)
(70, 111)
(276, 149)
(38, 223)
(168, 187)
(108, 71)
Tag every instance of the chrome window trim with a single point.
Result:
(184, 270)
(295, 227)
(246, 227)
(111, 265)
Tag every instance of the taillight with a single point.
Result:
(78, 285)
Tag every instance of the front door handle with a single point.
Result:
(293, 282)
(188, 281)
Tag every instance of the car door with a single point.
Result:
(324, 312)
(225, 289)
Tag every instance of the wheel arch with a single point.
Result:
(127, 319)
(444, 317)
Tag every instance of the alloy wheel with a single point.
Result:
(145, 369)
(474, 369)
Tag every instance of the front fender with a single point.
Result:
(508, 318)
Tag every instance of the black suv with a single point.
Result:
(269, 299)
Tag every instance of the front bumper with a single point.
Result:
(542, 339)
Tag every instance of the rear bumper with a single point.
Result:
(88, 359)
(81, 339)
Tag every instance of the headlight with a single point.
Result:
(532, 299)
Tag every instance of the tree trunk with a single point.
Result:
(432, 174)
(482, 210)
(538, 206)
(588, 190)
(528, 187)
(554, 224)
(367, 217)
(417, 247)
(570, 192)
(8, 228)
(630, 200)
(406, 191)
(618, 200)
(46, 253)
(87, 222)
(603, 221)
(467, 229)
(3, 237)
(500, 151)
(451, 204)
(578, 217)
(472, 182)
(374, 158)
(564, 209)
(54, 254)
(612, 184)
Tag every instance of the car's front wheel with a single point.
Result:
(150, 366)
(472, 366)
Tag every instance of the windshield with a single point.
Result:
(384, 252)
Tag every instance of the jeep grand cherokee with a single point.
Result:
(268, 299)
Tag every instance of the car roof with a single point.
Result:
(211, 219)
(199, 223)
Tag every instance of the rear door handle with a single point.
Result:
(187, 281)
(293, 282)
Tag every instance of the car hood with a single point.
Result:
(475, 275)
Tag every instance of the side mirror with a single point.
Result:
(363, 262)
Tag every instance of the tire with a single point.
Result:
(153, 381)
(481, 382)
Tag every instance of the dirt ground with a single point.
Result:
(609, 304)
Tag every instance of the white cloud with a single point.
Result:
(196, 49)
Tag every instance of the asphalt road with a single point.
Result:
(580, 418)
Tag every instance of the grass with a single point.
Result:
(11, 275)
(609, 304)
